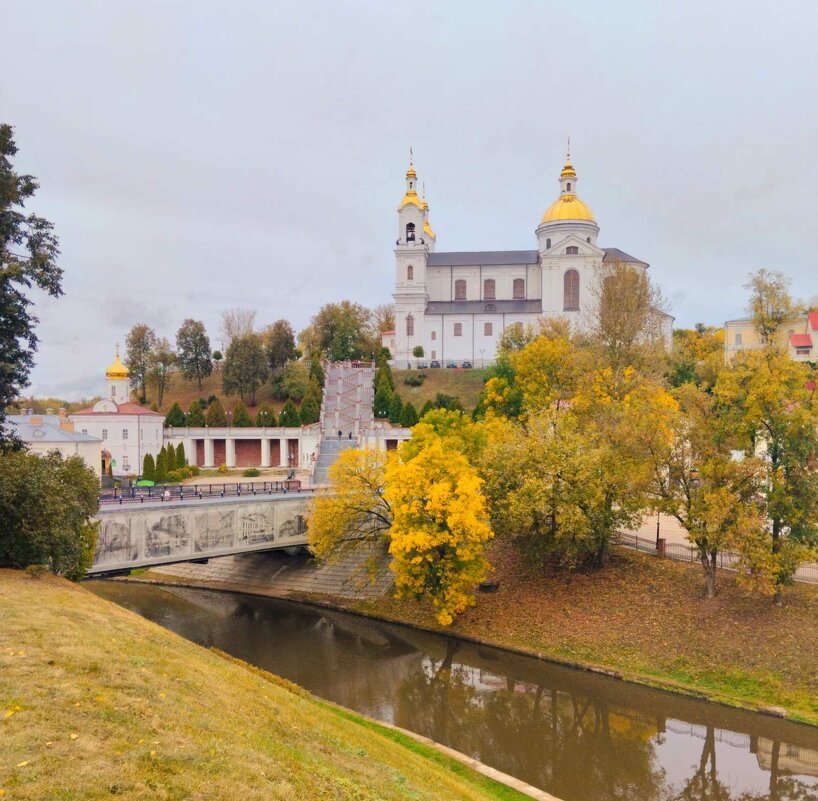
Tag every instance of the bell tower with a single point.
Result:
(412, 249)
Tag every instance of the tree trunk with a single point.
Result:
(779, 590)
(709, 567)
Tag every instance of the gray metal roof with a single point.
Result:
(484, 307)
(482, 258)
(615, 254)
(48, 431)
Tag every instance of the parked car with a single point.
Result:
(434, 363)
(423, 366)
(466, 365)
(449, 365)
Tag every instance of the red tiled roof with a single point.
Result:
(813, 320)
(801, 340)
(123, 408)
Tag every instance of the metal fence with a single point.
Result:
(726, 560)
(198, 491)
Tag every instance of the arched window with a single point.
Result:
(488, 289)
(410, 273)
(572, 250)
(410, 232)
(460, 289)
(410, 325)
(458, 329)
(547, 244)
(569, 186)
(570, 294)
(519, 289)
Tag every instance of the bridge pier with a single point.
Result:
(209, 453)
(265, 452)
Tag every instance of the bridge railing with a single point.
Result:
(175, 492)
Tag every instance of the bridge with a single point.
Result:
(156, 532)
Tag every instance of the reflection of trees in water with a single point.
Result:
(576, 747)
(704, 784)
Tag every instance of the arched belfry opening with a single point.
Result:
(410, 232)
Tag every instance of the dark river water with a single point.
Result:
(580, 736)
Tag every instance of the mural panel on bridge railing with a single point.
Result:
(137, 536)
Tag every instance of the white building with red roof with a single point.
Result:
(128, 431)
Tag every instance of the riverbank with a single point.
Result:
(641, 619)
(97, 702)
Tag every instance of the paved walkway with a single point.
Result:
(669, 529)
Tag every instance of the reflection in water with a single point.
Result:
(580, 736)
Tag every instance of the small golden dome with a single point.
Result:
(427, 229)
(567, 207)
(410, 173)
(117, 370)
(568, 170)
(410, 197)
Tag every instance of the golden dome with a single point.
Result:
(568, 170)
(410, 197)
(567, 207)
(410, 173)
(427, 229)
(117, 370)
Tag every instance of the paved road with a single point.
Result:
(669, 529)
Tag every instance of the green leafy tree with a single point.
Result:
(770, 303)
(140, 345)
(382, 402)
(289, 418)
(161, 466)
(310, 410)
(279, 344)
(181, 459)
(418, 351)
(28, 254)
(395, 408)
(245, 367)
(193, 351)
(163, 363)
(450, 402)
(47, 506)
(408, 416)
(291, 382)
(383, 377)
(215, 415)
(218, 357)
(341, 331)
(175, 416)
(195, 415)
(266, 416)
(241, 418)
(149, 467)
(425, 409)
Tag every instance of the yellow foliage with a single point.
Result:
(439, 530)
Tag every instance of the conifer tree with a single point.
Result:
(195, 415)
(408, 416)
(384, 375)
(266, 416)
(161, 466)
(290, 418)
(175, 417)
(310, 413)
(427, 407)
(383, 398)
(148, 468)
(241, 418)
(317, 371)
(395, 408)
(215, 414)
(181, 459)
(170, 457)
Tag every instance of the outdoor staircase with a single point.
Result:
(346, 407)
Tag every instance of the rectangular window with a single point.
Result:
(488, 329)
(434, 335)
(519, 289)
(460, 289)
(84, 430)
(458, 329)
(105, 433)
(434, 354)
(124, 433)
(738, 338)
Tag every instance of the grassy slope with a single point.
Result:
(465, 384)
(96, 702)
(648, 620)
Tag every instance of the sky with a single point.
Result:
(201, 156)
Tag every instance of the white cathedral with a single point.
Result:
(456, 305)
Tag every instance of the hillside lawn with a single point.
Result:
(647, 620)
(464, 384)
(97, 703)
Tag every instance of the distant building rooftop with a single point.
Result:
(45, 428)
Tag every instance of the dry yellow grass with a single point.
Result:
(96, 702)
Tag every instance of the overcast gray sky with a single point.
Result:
(204, 155)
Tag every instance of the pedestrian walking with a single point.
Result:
(350, 435)
(340, 433)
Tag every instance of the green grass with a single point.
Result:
(97, 702)
(464, 384)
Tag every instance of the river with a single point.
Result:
(578, 735)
